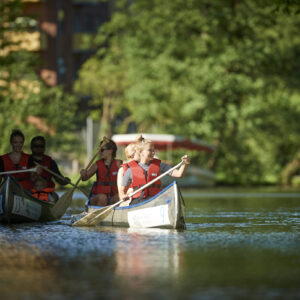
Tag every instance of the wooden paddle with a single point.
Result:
(97, 216)
(65, 200)
(86, 193)
(19, 171)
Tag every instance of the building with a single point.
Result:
(61, 34)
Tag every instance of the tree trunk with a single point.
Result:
(290, 170)
(105, 123)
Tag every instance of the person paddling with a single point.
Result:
(42, 181)
(147, 169)
(38, 147)
(17, 159)
(105, 191)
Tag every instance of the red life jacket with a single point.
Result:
(46, 161)
(43, 194)
(106, 178)
(23, 178)
(139, 178)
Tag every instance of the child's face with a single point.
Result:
(39, 185)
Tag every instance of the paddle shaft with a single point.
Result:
(61, 177)
(19, 171)
(65, 200)
(155, 179)
(53, 173)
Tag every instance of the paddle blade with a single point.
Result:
(100, 217)
(105, 140)
(62, 204)
(103, 214)
(84, 221)
(85, 191)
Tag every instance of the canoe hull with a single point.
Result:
(18, 205)
(164, 210)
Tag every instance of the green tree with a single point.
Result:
(223, 71)
(103, 81)
(25, 101)
(103, 78)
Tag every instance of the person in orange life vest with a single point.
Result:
(147, 169)
(38, 146)
(16, 160)
(131, 154)
(105, 191)
(41, 191)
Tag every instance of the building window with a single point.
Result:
(88, 18)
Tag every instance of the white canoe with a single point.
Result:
(164, 210)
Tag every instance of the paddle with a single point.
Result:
(86, 193)
(97, 216)
(65, 200)
(19, 171)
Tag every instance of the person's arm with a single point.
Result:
(55, 169)
(31, 163)
(126, 181)
(119, 163)
(86, 174)
(120, 178)
(122, 193)
(177, 173)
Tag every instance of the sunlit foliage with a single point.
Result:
(223, 71)
(25, 101)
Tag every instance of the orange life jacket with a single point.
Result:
(106, 178)
(139, 178)
(23, 178)
(46, 161)
(43, 194)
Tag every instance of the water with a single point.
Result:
(237, 245)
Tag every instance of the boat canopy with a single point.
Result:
(165, 142)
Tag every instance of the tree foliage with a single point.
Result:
(103, 78)
(223, 71)
(25, 101)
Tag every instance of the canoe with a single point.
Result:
(164, 210)
(18, 205)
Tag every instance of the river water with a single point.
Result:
(237, 245)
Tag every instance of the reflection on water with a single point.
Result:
(138, 255)
(24, 267)
(233, 248)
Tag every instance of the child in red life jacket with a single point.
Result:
(105, 192)
(41, 191)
